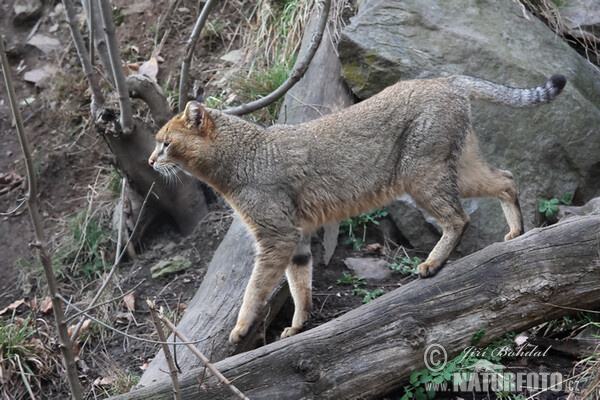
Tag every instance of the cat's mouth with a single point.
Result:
(169, 171)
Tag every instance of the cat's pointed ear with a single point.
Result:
(196, 119)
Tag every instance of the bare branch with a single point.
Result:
(88, 70)
(77, 314)
(44, 255)
(165, 348)
(188, 53)
(126, 118)
(297, 73)
(140, 86)
(97, 37)
(204, 359)
(127, 335)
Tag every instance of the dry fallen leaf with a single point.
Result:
(46, 305)
(12, 306)
(131, 68)
(7, 178)
(180, 307)
(129, 301)
(144, 367)
(375, 248)
(150, 68)
(103, 381)
(84, 327)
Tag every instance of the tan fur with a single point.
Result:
(414, 137)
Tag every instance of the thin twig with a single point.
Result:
(84, 58)
(14, 210)
(40, 239)
(203, 358)
(188, 53)
(114, 267)
(120, 227)
(126, 118)
(297, 73)
(106, 302)
(165, 348)
(120, 332)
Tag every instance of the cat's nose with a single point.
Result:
(151, 162)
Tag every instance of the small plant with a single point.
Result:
(22, 357)
(215, 102)
(361, 222)
(368, 295)
(260, 82)
(422, 383)
(349, 278)
(406, 265)
(549, 207)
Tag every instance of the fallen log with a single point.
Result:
(372, 350)
(213, 311)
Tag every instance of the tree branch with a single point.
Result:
(140, 86)
(88, 70)
(297, 73)
(161, 336)
(44, 255)
(188, 53)
(204, 360)
(97, 37)
(126, 118)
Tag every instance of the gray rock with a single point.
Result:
(413, 223)
(170, 267)
(581, 16)
(233, 57)
(45, 43)
(592, 207)
(26, 9)
(550, 150)
(369, 268)
(40, 76)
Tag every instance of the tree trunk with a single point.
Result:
(213, 310)
(372, 350)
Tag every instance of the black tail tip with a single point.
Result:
(558, 81)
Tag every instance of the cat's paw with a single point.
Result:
(290, 331)
(512, 234)
(429, 268)
(238, 333)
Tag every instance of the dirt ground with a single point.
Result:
(71, 159)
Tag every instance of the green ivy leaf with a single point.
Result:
(414, 377)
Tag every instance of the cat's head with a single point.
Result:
(183, 141)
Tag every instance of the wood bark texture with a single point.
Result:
(213, 310)
(373, 349)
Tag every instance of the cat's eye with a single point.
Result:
(166, 144)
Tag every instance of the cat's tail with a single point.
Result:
(488, 91)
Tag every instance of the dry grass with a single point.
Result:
(26, 357)
(586, 373)
(552, 13)
(269, 39)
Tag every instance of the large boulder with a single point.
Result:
(550, 150)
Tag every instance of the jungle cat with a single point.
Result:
(414, 137)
